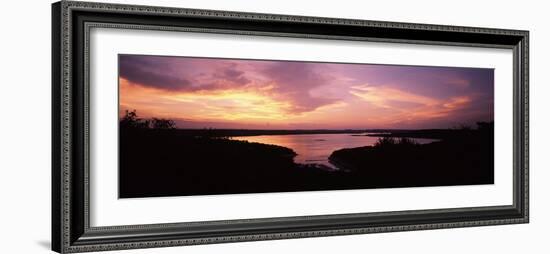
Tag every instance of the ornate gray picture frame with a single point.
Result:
(71, 23)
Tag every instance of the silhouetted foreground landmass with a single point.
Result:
(162, 163)
(461, 157)
(158, 160)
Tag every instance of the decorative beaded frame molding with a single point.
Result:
(71, 23)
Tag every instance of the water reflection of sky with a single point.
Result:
(316, 148)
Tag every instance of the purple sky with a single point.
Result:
(258, 94)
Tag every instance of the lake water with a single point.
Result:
(316, 148)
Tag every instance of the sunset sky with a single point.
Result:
(262, 94)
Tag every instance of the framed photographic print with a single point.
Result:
(181, 126)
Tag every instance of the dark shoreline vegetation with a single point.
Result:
(156, 159)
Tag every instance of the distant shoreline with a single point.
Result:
(427, 133)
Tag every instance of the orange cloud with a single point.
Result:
(382, 96)
(457, 102)
(245, 105)
(406, 106)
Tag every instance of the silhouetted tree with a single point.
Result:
(131, 121)
(162, 124)
(407, 142)
(385, 141)
(485, 126)
(462, 127)
(392, 142)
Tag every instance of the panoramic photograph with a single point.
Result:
(208, 126)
